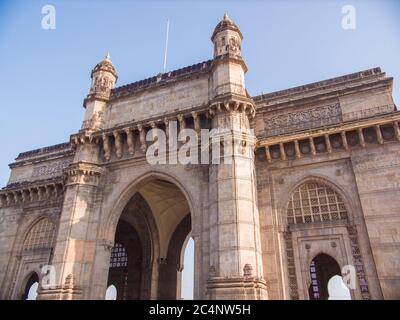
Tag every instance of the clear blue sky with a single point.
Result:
(45, 74)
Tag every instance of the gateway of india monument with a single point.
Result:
(312, 190)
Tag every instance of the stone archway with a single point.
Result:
(150, 234)
(31, 287)
(170, 271)
(322, 268)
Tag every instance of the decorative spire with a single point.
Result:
(226, 17)
(108, 56)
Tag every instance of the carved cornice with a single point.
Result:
(112, 140)
(229, 58)
(82, 137)
(344, 126)
(29, 192)
(51, 152)
(83, 168)
(361, 133)
(232, 103)
(98, 96)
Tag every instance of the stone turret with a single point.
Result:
(229, 67)
(104, 76)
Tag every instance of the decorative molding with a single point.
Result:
(303, 120)
(50, 170)
(358, 262)
(30, 192)
(325, 141)
(291, 267)
(233, 103)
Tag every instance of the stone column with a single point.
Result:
(297, 149)
(234, 220)
(75, 246)
(130, 141)
(142, 137)
(268, 154)
(344, 140)
(106, 147)
(118, 144)
(312, 146)
(282, 151)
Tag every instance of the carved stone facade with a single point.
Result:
(306, 119)
(315, 180)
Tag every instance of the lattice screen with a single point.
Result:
(315, 202)
(119, 257)
(41, 235)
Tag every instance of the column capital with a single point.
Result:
(83, 173)
(233, 103)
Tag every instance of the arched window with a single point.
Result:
(188, 271)
(41, 235)
(315, 202)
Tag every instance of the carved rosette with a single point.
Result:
(83, 173)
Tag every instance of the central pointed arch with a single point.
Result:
(158, 209)
(110, 223)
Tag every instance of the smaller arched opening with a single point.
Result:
(31, 287)
(111, 293)
(170, 281)
(187, 273)
(326, 280)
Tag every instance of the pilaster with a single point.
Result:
(75, 246)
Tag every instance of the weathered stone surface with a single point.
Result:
(319, 173)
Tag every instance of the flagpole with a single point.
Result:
(166, 47)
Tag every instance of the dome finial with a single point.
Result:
(226, 17)
(108, 56)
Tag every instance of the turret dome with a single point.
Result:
(226, 24)
(105, 65)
